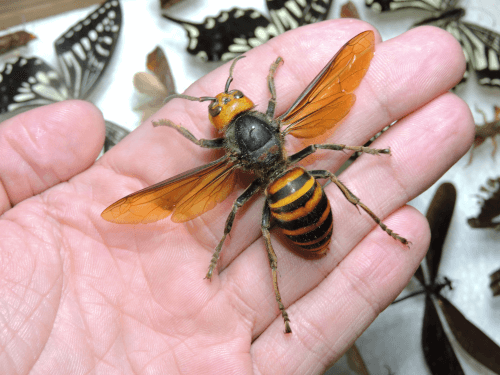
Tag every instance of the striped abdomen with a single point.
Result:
(302, 211)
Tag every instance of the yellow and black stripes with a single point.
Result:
(300, 208)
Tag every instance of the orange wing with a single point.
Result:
(187, 196)
(329, 98)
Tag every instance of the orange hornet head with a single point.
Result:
(226, 106)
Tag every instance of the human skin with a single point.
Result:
(80, 295)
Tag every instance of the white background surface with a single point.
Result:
(470, 255)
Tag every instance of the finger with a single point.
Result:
(440, 132)
(45, 146)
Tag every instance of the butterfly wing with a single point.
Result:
(184, 196)
(14, 40)
(231, 33)
(482, 51)
(329, 97)
(290, 14)
(317, 11)
(158, 83)
(84, 51)
(29, 82)
(390, 5)
(349, 10)
(226, 35)
(157, 62)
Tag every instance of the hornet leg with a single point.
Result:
(207, 143)
(273, 260)
(271, 107)
(355, 201)
(335, 147)
(240, 201)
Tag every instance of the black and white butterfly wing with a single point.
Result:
(226, 35)
(236, 31)
(290, 14)
(482, 51)
(391, 5)
(317, 11)
(287, 14)
(85, 50)
(29, 82)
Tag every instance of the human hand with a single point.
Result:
(80, 294)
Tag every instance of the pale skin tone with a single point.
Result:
(82, 295)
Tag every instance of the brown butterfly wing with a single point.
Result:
(349, 10)
(157, 63)
(185, 196)
(329, 98)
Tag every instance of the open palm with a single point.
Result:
(82, 295)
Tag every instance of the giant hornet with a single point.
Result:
(253, 141)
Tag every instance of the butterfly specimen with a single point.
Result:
(83, 52)
(481, 46)
(489, 217)
(485, 131)
(254, 141)
(158, 83)
(12, 41)
(228, 34)
(233, 32)
(439, 354)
